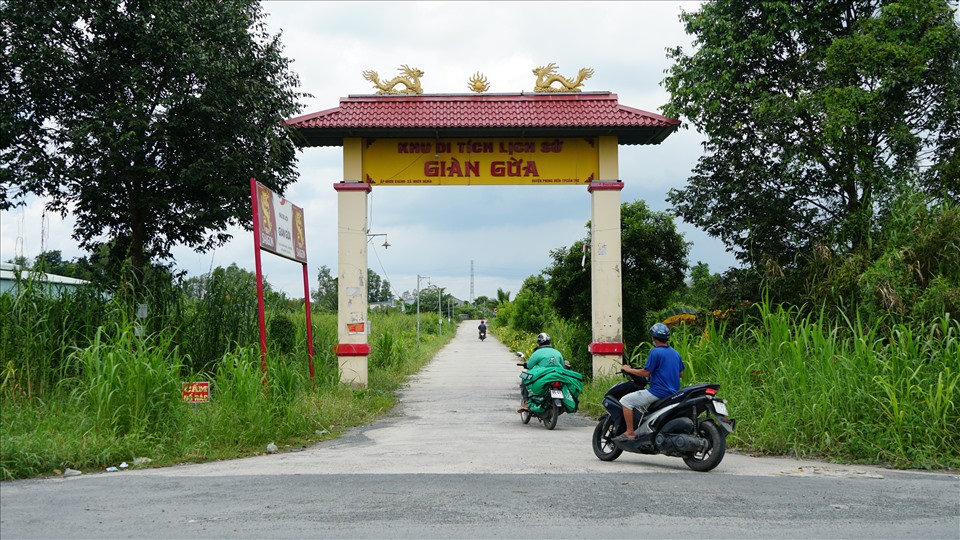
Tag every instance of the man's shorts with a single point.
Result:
(640, 400)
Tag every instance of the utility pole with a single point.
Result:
(419, 277)
(440, 309)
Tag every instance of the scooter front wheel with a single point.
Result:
(603, 445)
(525, 417)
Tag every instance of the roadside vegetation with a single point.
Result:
(854, 358)
(86, 384)
(830, 170)
(807, 386)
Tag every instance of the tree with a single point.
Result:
(915, 279)
(224, 313)
(814, 113)
(378, 290)
(144, 119)
(569, 285)
(654, 260)
(325, 295)
(702, 290)
(231, 281)
(484, 303)
(432, 298)
(531, 310)
(52, 262)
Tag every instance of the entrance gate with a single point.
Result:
(487, 139)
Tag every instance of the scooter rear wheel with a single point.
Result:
(553, 413)
(603, 445)
(710, 457)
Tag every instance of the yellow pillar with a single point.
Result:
(352, 324)
(605, 263)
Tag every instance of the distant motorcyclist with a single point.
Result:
(543, 355)
(482, 329)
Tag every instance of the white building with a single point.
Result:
(11, 275)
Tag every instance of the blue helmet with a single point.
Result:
(660, 331)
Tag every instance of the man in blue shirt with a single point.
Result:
(664, 368)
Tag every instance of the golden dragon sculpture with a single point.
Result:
(547, 75)
(410, 80)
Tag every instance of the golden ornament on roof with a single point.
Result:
(410, 80)
(478, 83)
(547, 75)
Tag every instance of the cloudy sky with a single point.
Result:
(506, 231)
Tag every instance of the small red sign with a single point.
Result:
(196, 392)
(355, 328)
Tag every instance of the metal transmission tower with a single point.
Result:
(471, 281)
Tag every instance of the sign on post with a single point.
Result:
(196, 392)
(279, 227)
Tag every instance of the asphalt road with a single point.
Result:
(454, 461)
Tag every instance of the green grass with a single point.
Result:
(122, 400)
(802, 387)
(86, 385)
(39, 330)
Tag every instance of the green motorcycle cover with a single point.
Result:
(539, 379)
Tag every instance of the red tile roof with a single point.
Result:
(587, 114)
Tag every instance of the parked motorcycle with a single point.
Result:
(691, 424)
(553, 391)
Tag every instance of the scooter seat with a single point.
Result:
(677, 397)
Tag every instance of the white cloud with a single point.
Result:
(508, 231)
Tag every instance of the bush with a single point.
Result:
(913, 278)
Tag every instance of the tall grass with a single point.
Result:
(114, 395)
(222, 314)
(125, 382)
(803, 387)
(39, 329)
(800, 386)
(570, 338)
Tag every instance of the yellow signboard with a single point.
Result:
(464, 162)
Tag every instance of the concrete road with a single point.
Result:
(454, 460)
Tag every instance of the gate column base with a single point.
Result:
(353, 370)
(607, 358)
(352, 363)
